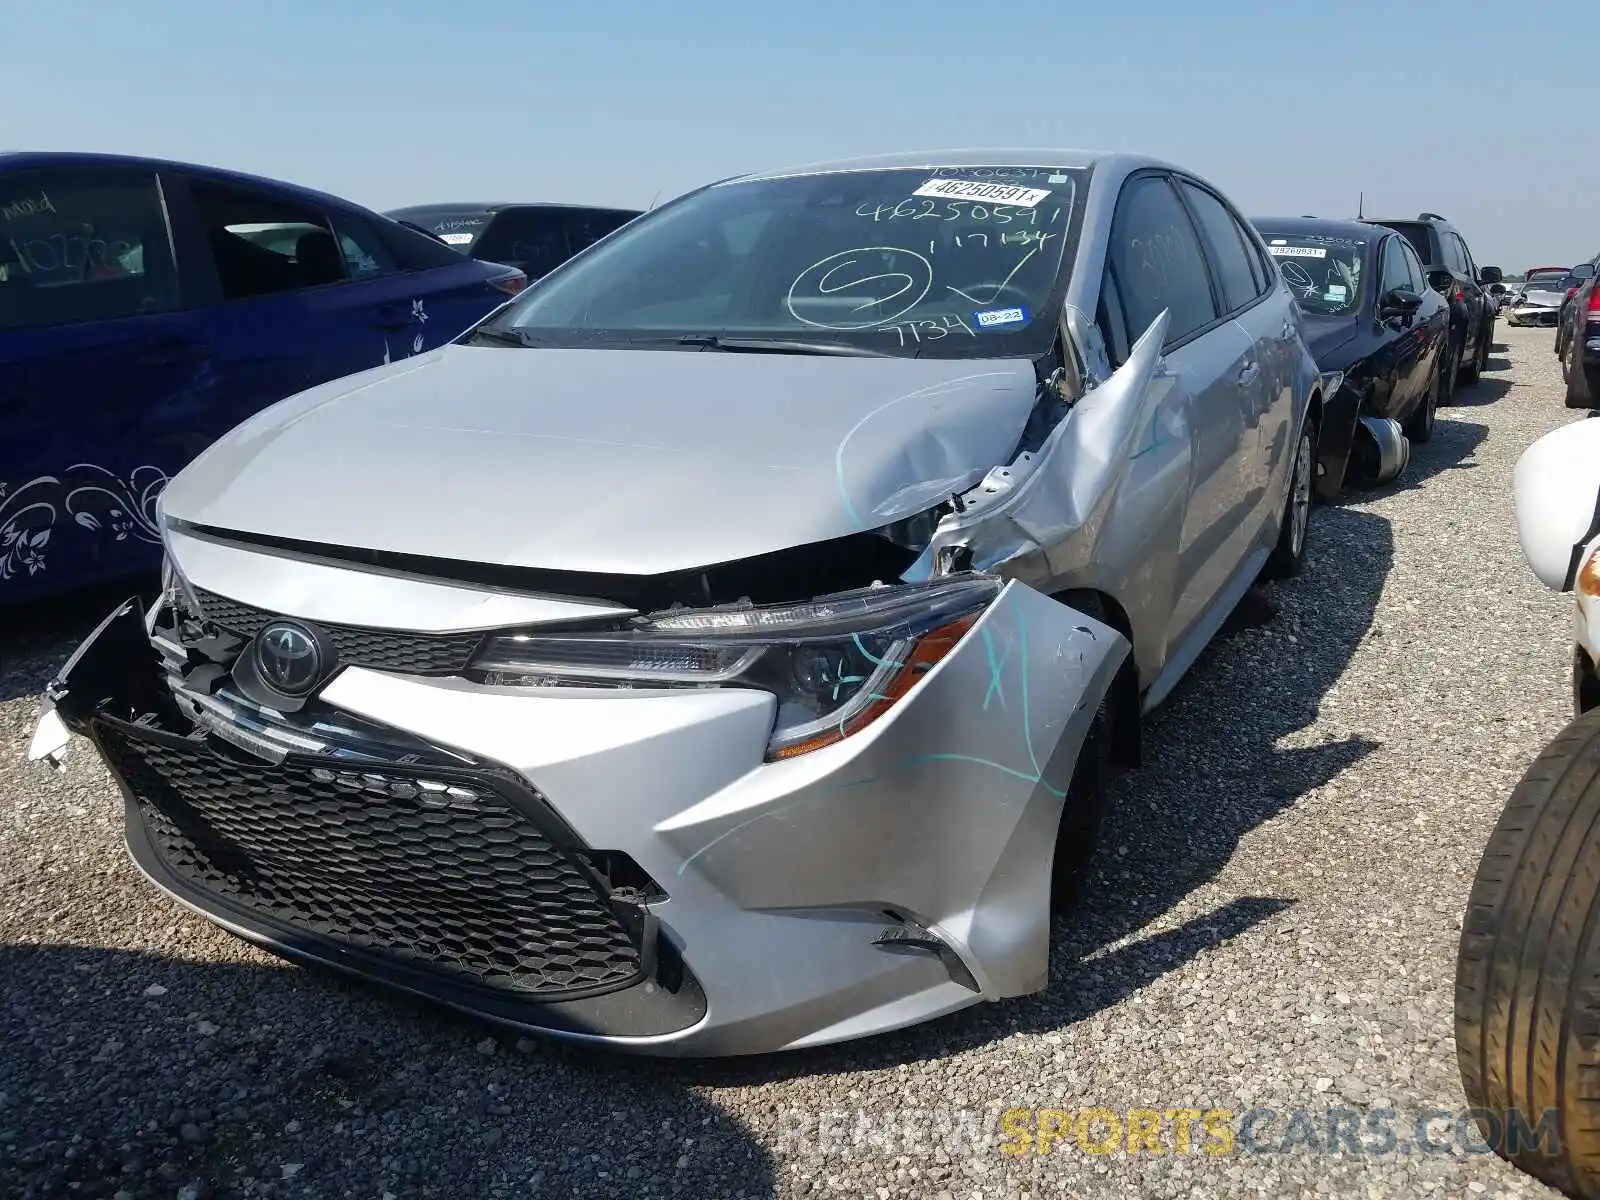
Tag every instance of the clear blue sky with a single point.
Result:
(1480, 111)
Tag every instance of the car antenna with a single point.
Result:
(1361, 206)
(653, 199)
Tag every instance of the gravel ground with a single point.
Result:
(1273, 925)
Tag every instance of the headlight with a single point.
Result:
(835, 664)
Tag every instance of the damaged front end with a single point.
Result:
(586, 804)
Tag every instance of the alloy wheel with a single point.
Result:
(1300, 511)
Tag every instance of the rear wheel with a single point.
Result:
(1448, 372)
(1288, 556)
(1472, 369)
(1419, 425)
(1528, 970)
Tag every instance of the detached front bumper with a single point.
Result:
(1527, 315)
(623, 867)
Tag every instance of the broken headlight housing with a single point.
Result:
(835, 664)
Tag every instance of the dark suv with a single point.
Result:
(1578, 335)
(1453, 272)
(534, 238)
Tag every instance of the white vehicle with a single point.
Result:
(1528, 968)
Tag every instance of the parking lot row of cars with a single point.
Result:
(773, 578)
(146, 307)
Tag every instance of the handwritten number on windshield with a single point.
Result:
(929, 329)
(954, 210)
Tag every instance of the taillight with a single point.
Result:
(511, 282)
(1571, 292)
(1594, 304)
(1460, 296)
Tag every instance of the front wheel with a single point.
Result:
(1528, 970)
(1288, 556)
(1082, 814)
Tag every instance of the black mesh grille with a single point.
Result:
(380, 649)
(392, 862)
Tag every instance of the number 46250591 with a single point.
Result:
(918, 209)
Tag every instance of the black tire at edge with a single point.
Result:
(1283, 563)
(1527, 1005)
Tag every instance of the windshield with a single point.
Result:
(953, 262)
(458, 229)
(1545, 283)
(1324, 273)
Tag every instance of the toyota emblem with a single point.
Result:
(289, 658)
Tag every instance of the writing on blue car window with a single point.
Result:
(82, 246)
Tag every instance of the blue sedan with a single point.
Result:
(147, 307)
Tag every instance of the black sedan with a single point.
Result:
(1369, 313)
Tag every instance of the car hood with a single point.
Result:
(1326, 338)
(620, 461)
(1543, 297)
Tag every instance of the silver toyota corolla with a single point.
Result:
(1539, 300)
(720, 649)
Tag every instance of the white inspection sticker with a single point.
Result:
(1336, 291)
(982, 192)
(455, 239)
(1298, 251)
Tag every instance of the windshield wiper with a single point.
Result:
(712, 341)
(500, 337)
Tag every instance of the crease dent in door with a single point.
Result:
(1044, 496)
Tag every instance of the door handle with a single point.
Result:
(393, 316)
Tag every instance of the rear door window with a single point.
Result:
(365, 254)
(263, 243)
(1155, 255)
(1225, 245)
(1417, 235)
(83, 245)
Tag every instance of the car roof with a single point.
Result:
(1360, 231)
(20, 160)
(1421, 219)
(417, 210)
(1003, 157)
(464, 206)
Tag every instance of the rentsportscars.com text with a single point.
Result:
(1167, 1130)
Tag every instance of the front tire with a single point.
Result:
(1528, 968)
(1578, 395)
(1289, 555)
(1082, 813)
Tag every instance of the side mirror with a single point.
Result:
(1440, 280)
(1497, 289)
(1488, 275)
(1553, 489)
(1399, 302)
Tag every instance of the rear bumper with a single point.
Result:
(893, 877)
